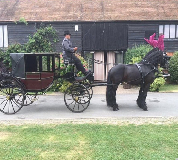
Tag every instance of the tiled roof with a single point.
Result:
(88, 10)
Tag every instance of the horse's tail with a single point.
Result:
(109, 90)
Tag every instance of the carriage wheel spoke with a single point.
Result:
(78, 107)
(71, 102)
(16, 103)
(74, 105)
(28, 97)
(12, 106)
(8, 107)
(3, 101)
(83, 106)
(18, 98)
(5, 105)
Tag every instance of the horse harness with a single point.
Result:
(141, 72)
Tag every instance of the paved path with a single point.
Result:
(53, 107)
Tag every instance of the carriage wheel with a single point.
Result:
(89, 88)
(29, 98)
(77, 98)
(11, 96)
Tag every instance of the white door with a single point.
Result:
(99, 72)
(110, 61)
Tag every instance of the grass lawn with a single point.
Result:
(89, 142)
(169, 88)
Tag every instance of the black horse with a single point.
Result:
(142, 74)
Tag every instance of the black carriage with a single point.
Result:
(33, 74)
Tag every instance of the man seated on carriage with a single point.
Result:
(68, 53)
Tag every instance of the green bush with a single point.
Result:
(14, 48)
(136, 53)
(42, 40)
(158, 82)
(173, 68)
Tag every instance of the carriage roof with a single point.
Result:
(18, 62)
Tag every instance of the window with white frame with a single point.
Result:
(3, 36)
(170, 31)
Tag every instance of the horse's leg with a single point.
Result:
(115, 76)
(141, 101)
(115, 105)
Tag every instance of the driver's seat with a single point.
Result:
(68, 60)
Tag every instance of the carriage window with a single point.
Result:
(47, 63)
(89, 57)
(31, 63)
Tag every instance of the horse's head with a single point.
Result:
(156, 57)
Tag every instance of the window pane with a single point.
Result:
(166, 31)
(44, 63)
(5, 36)
(1, 37)
(177, 32)
(47, 63)
(160, 29)
(172, 31)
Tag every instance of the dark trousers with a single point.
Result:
(77, 63)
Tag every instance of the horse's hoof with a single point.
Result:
(115, 107)
(142, 105)
(145, 109)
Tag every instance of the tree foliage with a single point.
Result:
(136, 53)
(41, 41)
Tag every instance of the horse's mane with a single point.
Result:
(153, 57)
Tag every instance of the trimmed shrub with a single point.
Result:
(173, 68)
(158, 82)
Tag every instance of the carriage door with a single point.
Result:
(47, 71)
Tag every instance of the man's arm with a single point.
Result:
(67, 47)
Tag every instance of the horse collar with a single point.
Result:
(141, 73)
